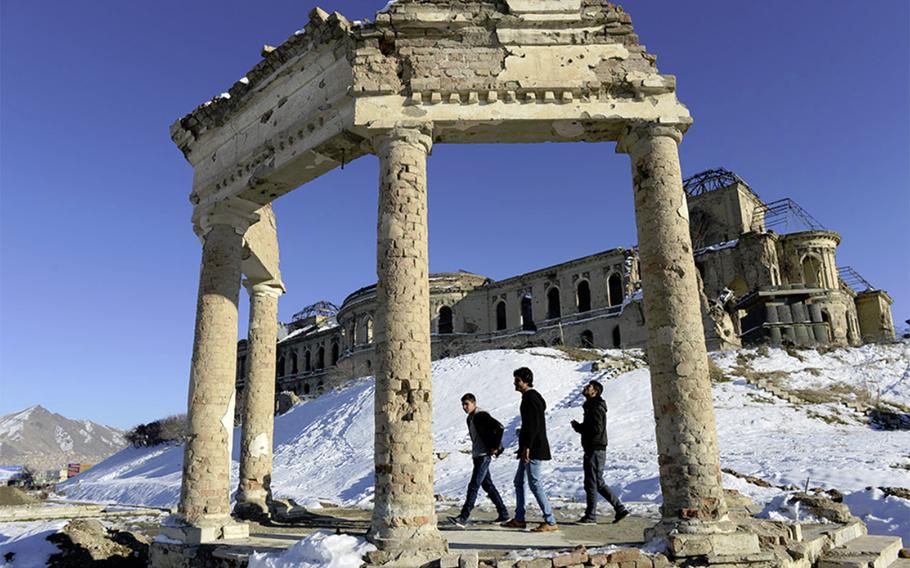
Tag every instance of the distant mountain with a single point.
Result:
(44, 440)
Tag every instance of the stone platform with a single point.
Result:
(482, 538)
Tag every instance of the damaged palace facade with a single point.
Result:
(762, 282)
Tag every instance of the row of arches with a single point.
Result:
(310, 363)
(615, 297)
(586, 338)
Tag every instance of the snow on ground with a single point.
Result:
(323, 448)
(881, 370)
(321, 549)
(27, 543)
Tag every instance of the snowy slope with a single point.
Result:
(324, 447)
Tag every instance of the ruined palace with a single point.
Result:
(430, 72)
(768, 274)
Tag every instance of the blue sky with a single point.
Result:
(99, 264)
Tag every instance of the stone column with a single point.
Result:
(404, 515)
(204, 511)
(254, 492)
(693, 511)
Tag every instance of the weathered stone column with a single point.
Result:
(204, 512)
(693, 511)
(404, 515)
(254, 492)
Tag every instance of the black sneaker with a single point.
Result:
(620, 515)
(459, 522)
(501, 518)
(586, 520)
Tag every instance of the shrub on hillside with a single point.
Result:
(166, 430)
(716, 374)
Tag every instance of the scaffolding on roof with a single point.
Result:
(710, 180)
(785, 216)
(322, 308)
(853, 280)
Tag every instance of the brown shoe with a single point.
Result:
(514, 524)
(544, 527)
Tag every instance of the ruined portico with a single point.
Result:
(428, 73)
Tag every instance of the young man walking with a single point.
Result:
(593, 430)
(486, 443)
(533, 447)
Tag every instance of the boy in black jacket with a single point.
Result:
(593, 430)
(486, 440)
(533, 448)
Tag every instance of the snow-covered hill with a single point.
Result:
(323, 448)
(45, 440)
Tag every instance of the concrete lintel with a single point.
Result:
(507, 119)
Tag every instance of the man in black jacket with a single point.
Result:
(593, 432)
(486, 442)
(533, 447)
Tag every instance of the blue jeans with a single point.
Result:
(480, 478)
(532, 471)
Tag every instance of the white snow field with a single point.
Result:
(26, 543)
(324, 447)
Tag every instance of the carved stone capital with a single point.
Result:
(638, 132)
(270, 288)
(420, 135)
(235, 212)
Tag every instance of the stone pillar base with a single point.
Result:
(208, 530)
(252, 505)
(716, 539)
(252, 511)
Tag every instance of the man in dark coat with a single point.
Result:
(593, 432)
(486, 443)
(533, 447)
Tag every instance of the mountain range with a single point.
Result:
(43, 440)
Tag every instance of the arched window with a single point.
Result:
(306, 388)
(294, 369)
(334, 353)
(307, 364)
(812, 271)
(614, 290)
(279, 368)
(501, 316)
(617, 340)
(553, 308)
(368, 330)
(320, 358)
(587, 339)
(583, 295)
(445, 320)
(826, 317)
(527, 314)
